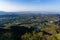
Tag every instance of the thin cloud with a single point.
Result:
(36, 0)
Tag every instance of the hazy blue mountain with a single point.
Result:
(29, 12)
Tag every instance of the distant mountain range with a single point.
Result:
(28, 12)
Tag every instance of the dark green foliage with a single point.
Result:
(29, 27)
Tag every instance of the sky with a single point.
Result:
(29, 5)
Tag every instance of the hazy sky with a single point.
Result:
(29, 5)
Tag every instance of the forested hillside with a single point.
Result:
(30, 26)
